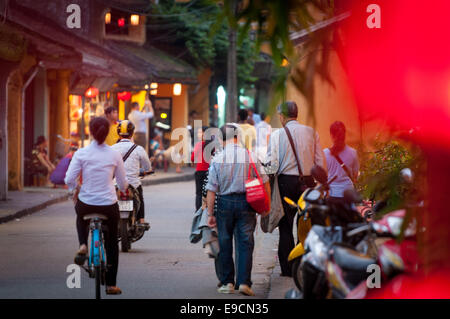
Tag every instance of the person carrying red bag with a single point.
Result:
(228, 174)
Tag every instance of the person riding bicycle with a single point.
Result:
(97, 164)
(137, 159)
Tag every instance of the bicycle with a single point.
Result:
(96, 267)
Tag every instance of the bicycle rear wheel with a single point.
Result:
(98, 280)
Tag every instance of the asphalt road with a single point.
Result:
(36, 250)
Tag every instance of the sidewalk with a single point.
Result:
(33, 199)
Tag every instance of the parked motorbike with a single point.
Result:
(347, 269)
(309, 258)
(130, 230)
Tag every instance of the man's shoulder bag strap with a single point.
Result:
(342, 164)
(291, 141)
(132, 148)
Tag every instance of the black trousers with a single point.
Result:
(141, 213)
(200, 177)
(290, 187)
(110, 236)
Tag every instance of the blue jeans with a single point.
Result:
(235, 218)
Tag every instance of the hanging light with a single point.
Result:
(134, 19)
(146, 86)
(153, 92)
(154, 85)
(108, 18)
(91, 92)
(121, 22)
(177, 89)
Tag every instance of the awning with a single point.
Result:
(158, 65)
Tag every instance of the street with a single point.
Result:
(37, 249)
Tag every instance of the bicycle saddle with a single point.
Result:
(92, 216)
(350, 259)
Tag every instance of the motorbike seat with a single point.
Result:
(92, 216)
(352, 260)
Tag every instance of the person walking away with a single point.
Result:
(253, 118)
(136, 160)
(292, 163)
(263, 131)
(112, 116)
(202, 165)
(228, 173)
(40, 162)
(342, 161)
(97, 164)
(248, 130)
(139, 120)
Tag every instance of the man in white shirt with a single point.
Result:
(138, 158)
(139, 120)
(263, 131)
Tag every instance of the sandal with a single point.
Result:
(80, 257)
(114, 290)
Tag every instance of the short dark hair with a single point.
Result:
(99, 127)
(134, 104)
(288, 109)
(110, 109)
(41, 139)
(229, 132)
(243, 115)
(263, 116)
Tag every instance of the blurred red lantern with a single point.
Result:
(121, 22)
(91, 92)
(124, 96)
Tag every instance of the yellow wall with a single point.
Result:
(335, 104)
(180, 104)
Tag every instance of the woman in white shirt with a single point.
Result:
(98, 164)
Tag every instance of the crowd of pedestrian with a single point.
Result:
(287, 155)
(226, 163)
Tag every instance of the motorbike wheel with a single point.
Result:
(124, 240)
(297, 273)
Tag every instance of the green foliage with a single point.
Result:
(200, 30)
(380, 177)
(276, 20)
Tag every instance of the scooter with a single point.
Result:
(309, 257)
(347, 269)
(130, 230)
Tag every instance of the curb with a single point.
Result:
(34, 209)
(62, 198)
(165, 180)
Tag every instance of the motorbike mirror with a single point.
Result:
(352, 196)
(290, 201)
(319, 174)
(407, 175)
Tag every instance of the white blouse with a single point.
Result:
(98, 165)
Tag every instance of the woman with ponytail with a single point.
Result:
(342, 161)
(97, 165)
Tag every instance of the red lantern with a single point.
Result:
(91, 92)
(121, 22)
(124, 96)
